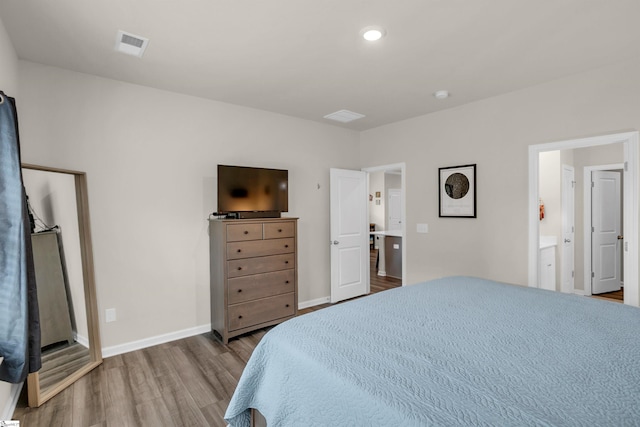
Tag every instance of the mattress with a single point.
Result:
(453, 351)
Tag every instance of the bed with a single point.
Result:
(453, 351)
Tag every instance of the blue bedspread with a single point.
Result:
(453, 351)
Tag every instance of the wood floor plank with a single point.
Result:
(215, 413)
(141, 378)
(203, 389)
(54, 414)
(88, 399)
(154, 413)
(119, 398)
(178, 400)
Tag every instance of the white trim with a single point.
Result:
(151, 341)
(564, 199)
(630, 254)
(82, 340)
(403, 179)
(578, 292)
(185, 333)
(10, 407)
(586, 222)
(313, 302)
(630, 219)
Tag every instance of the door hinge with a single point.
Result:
(573, 274)
(626, 246)
(593, 184)
(573, 184)
(593, 229)
(593, 274)
(626, 166)
(573, 229)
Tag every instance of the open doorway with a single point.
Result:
(387, 224)
(604, 223)
(587, 251)
(628, 145)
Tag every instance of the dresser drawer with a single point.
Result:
(265, 264)
(242, 232)
(237, 250)
(259, 311)
(256, 286)
(277, 230)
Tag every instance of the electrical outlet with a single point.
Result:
(110, 315)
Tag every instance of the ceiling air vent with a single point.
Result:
(131, 44)
(344, 116)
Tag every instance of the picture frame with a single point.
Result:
(457, 191)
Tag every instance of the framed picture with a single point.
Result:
(457, 191)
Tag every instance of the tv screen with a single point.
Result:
(247, 189)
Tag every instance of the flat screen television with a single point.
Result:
(251, 192)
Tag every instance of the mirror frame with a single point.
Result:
(35, 395)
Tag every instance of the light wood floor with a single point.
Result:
(182, 383)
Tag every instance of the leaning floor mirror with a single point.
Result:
(63, 261)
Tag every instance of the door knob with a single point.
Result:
(335, 242)
(620, 237)
(567, 240)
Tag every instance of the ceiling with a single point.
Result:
(305, 58)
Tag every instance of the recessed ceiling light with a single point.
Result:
(441, 94)
(373, 33)
(344, 116)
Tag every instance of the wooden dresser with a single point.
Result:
(254, 274)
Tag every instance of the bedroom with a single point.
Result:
(149, 225)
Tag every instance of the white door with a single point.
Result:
(568, 229)
(605, 222)
(349, 234)
(394, 207)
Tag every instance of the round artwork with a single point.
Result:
(457, 186)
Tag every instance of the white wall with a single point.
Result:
(9, 85)
(150, 158)
(494, 134)
(8, 64)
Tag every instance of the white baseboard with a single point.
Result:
(578, 292)
(313, 302)
(10, 407)
(185, 333)
(82, 340)
(151, 341)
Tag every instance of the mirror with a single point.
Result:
(63, 260)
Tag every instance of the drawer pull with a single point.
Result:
(286, 281)
(246, 232)
(279, 230)
(239, 268)
(239, 290)
(287, 305)
(239, 317)
(286, 246)
(286, 262)
(239, 250)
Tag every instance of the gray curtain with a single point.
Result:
(19, 319)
